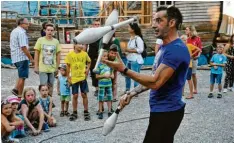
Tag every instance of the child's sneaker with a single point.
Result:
(210, 95)
(100, 115)
(219, 95)
(109, 114)
(225, 90)
(86, 116)
(45, 127)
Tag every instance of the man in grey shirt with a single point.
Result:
(20, 54)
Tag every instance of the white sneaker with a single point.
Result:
(225, 90)
(229, 89)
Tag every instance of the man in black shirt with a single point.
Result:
(93, 54)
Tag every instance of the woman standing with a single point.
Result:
(133, 52)
(229, 78)
(196, 41)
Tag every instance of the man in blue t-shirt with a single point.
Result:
(217, 62)
(167, 79)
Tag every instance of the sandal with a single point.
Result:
(66, 113)
(86, 116)
(73, 117)
(189, 97)
(61, 113)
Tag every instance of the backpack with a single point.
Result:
(144, 53)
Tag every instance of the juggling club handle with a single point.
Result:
(98, 60)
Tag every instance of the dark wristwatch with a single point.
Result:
(125, 71)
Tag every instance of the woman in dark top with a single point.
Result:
(229, 78)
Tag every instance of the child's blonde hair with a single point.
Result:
(28, 89)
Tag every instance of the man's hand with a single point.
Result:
(215, 67)
(124, 100)
(116, 65)
(36, 70)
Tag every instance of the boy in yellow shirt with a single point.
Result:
(193, 51)
(78, 62)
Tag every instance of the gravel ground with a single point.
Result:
(206, 120)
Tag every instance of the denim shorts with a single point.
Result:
(215, 77)
(189, 74)
(83, 87)
(23, 68)
(46, 78)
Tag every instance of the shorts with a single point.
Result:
(105, 91)
(83, 87)
(46, 78)
(189, 74)
(65, 98)
(194, 68)
(23, 68)
(215, 77)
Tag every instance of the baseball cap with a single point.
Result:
(63, 66)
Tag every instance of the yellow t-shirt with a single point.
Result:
(77, 63)
(190, 48)
(48, 50)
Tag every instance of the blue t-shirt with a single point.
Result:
(169, 96)
(63, 86)
(218, 59)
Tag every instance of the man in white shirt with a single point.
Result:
(20, 54)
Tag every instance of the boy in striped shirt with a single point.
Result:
(104, 75)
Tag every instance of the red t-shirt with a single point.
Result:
(196, 41)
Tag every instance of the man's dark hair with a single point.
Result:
(20, 21)
(173, 13)
(49, 25)
(96, 20)
(114, 48)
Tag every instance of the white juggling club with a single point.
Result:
(111, 20)
(91, 35)
(110, 123)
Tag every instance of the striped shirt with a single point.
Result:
(101, 70)
(18, 40)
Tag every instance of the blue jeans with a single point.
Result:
(135, 67)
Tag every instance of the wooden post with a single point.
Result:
(142, 12)
(125, 8)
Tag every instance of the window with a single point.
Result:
(165, 3)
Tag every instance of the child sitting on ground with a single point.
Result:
(17, 120)
(63, 89)
(104, 74)
(32, 112)
(8, 121)
(46, 103)
(217, 63)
